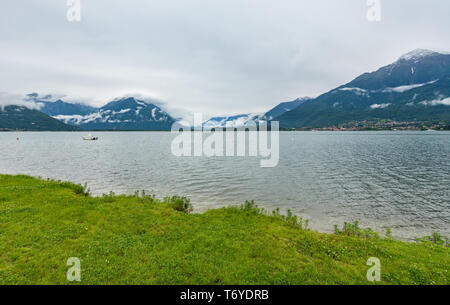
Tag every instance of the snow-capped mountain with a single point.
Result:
(14, 117)
(416, 67)
(416, 87)
(253, 119)
(239, 120)
(417, 54)
(121, 114)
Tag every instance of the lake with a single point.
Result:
(392, 179)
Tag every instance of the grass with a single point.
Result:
(142, 240)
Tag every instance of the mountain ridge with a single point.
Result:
(126, 113)
(414, 88)
(14, 117)
(399, 91)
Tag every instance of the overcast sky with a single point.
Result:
(213, 56)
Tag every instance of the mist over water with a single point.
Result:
(399, 180)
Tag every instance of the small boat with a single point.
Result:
(90, 138)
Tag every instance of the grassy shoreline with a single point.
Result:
(143, 240)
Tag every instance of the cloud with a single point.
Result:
(402, 89)
(8, 99)
(445, 102)
(380, 106)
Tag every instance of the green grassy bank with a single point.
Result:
(143, 240)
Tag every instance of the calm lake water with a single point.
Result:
(383, 179)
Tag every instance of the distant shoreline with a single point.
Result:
(281, 130)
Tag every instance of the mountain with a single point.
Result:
(253, 119)
(121, 114)
(23, 118)
(60, 107)
(414, 88)
(417, 67)
(285, 107)
(239, 120)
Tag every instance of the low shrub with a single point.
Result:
(353, 229)
(179, 203)
(290, 218)
(251, 208)
(435, 238)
